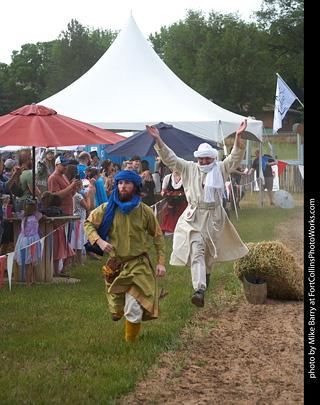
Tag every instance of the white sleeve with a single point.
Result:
(165, 182)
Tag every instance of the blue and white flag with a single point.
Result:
(284, 99)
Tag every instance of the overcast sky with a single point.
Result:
(24, 22)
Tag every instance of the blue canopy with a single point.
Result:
(142, 144)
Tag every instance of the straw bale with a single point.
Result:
(273, 262)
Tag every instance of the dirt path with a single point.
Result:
(252, 355)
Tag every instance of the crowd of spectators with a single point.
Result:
(65, 185)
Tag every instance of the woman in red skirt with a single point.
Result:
(172, 190)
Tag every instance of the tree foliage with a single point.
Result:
(40, 70)
(283, 20)
(230, 61)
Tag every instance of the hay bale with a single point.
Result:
(273, 262)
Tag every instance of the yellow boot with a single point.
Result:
(132, 331)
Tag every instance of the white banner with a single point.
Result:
(284, 98)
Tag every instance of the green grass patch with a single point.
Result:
(59, 345)
(283, 150)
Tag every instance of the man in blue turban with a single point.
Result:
(121, 228)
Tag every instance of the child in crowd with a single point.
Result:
(44, 200)
(81, 205)
(29, 234)
(51, 204)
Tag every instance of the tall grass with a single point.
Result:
(285, 146)
(59, 345)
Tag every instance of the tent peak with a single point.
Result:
(130, 86)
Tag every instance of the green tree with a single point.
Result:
(30, 67)
(5, 106)
(234, 65)
(74, 53)
(180, 44)
(284, 22)
(222, 58)
(13, 94)
(40, 70)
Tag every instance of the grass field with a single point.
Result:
(59, 345)
(285, 146)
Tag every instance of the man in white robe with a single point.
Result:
(203, 235)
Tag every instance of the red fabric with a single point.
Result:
(61, 249)
(57, 182)
(2, 266)
(32, 247)
(36, 125)
(77, 235)
(281, 166)
(169, 221)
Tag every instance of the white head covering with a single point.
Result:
(205, 150)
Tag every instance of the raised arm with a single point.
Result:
(153, 131)
(241, 128)
(168, 157)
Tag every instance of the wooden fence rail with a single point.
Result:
(291, 180)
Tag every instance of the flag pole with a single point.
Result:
(289, 88)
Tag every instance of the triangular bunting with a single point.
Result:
(23, 260)
(50, 245)
(264, 162)
(66, 230)
(2, 266)
(10, 267)
(42, 245)
(281, 166)
(77, 234)
(32, 256)
(301, 169)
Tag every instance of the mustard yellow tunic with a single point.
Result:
(130, 235)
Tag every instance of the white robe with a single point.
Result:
(221, 239)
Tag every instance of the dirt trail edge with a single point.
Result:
(237, 353)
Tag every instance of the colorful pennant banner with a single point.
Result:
(10, 257)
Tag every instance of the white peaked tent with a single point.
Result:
(130, 87)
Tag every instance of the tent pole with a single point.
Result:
(261, 191)
(233, 198)
(33, 171)
(226, 153)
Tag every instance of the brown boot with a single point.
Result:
(198, 298)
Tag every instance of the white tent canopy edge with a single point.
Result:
(130, 86)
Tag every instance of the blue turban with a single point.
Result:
(113, 203)
(128, 175)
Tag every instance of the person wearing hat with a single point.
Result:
(136, 161)
(9, 187)
(121, 228)
(58, 183)
(8, 168)
(203, 235)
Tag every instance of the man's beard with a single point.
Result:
(30, 165)
(126, 196)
